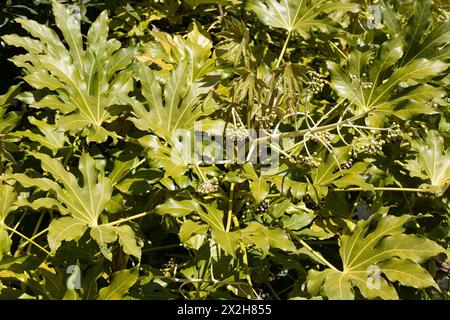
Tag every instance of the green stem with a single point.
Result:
(311, 250)
(195, 280)
(301, 133)
(273, 291)
(197, 168)
(32, 238)
(28, 239)
(384, 189)
(230, 208)
(219, 7)
(322, 128)
(169, 246)
(283, 51)
(36, 228)
(316, 254)
(244, 255)
(355, 204)
(136, 216)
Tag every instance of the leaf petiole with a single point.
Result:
(28, 239)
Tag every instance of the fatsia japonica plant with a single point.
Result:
(260, 149)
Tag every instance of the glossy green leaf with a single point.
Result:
(366, 250)
(432, 162)
(121, 283)
(83, 78)
(298, 16)
(64, 229)
(128, 241)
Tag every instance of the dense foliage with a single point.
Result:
(224, 149)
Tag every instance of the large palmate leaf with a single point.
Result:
(171, 111)
(177, 105)
(423, 41)
(8, 199)
(85, 83)
(297, 15)
(8, 121)
(82, 204)
(377, 244)
(168, 51)
(384, 88)
(85, 203)
(432, 162)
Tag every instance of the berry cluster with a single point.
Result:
(393, 132)
(315, 83)
(345, 166)
(240, 133)
(367, 144)
(267, 120)
(263, 206)
(208, 187)
(283, 273)
(311, 204)
(310, 161)
(365, 83)
(324, 136)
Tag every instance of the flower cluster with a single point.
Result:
(367, 144)
(393, 132)
(315, 83)
(324, 136)
(238, 133)
(208, 187)
(310, 161)
(267, 120)
(347, 165)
